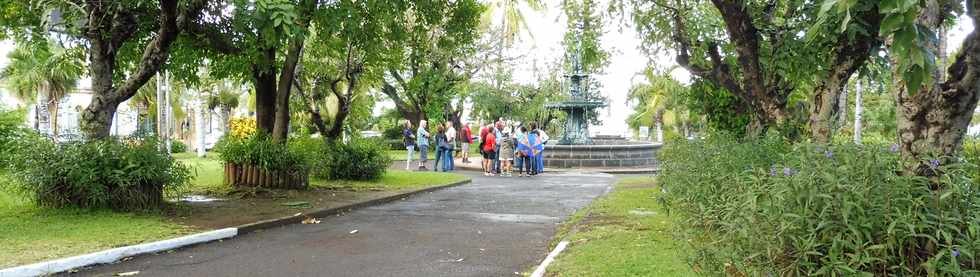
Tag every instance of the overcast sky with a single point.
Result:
(548, 28)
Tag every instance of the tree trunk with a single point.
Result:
(107, 30)
(53, 112)
(842, 110)
(830, 97)
(280, 129)
(933, 120)
(43, 112)
(97, 117)
(264, 81)
(858, 112)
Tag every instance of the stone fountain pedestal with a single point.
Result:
(605, 152)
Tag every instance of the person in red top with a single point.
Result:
(489, 151)
(466, 140)
(483, 135)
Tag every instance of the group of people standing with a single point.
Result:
(446, 141)
(505, 145)
(502, 145)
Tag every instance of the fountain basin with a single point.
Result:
(607, 152)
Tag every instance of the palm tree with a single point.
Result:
(513, 19)
(656, 105)
(42, 73)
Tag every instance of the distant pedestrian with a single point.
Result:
(451, 139)
(422, 141)
(524, 152)
(441, 146)
(543, 137)
(489, 152)
(466, 138)
(498, 133)
(483, 135)
(519, 133)
(409, 138)
(506, 153)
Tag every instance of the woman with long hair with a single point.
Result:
(422, 140)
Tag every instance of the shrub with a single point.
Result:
(11, 130)
(768, 208)
(259, 149)
(360, 159)
(177, 146)
(99, 174)
(392, 133)
(242, 127)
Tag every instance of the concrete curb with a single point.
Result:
(116, 254)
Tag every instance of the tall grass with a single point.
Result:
(767, 207)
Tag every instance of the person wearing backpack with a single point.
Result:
(441, 145)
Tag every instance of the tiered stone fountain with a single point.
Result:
(576, 148)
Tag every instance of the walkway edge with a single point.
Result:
(116, 254)
(542, 269)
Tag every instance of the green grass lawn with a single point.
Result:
(208, 173)
(30, 234)
(395, 180)
(625, 233)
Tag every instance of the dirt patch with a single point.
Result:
(236, 209)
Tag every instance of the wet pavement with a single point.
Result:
(495, 226)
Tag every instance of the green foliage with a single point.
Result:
(359, 159)
(11, 131)
(122, 175)
(971, 153)
(767, 207)
(259, 149)
(43, 67)
(722, 110)
(525, 103)
(662, 100)
(177, 146)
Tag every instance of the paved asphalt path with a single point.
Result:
(495, 226)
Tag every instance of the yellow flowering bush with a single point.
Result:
(242, 127)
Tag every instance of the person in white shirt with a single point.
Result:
(451, 137)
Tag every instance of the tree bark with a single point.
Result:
(849, 55)
(309, 102)
(858, 112)
(933, 120)
(411, 112)
(264, 82)
(43, 112)
(281, 126)
(53, 114)
(107, 30)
